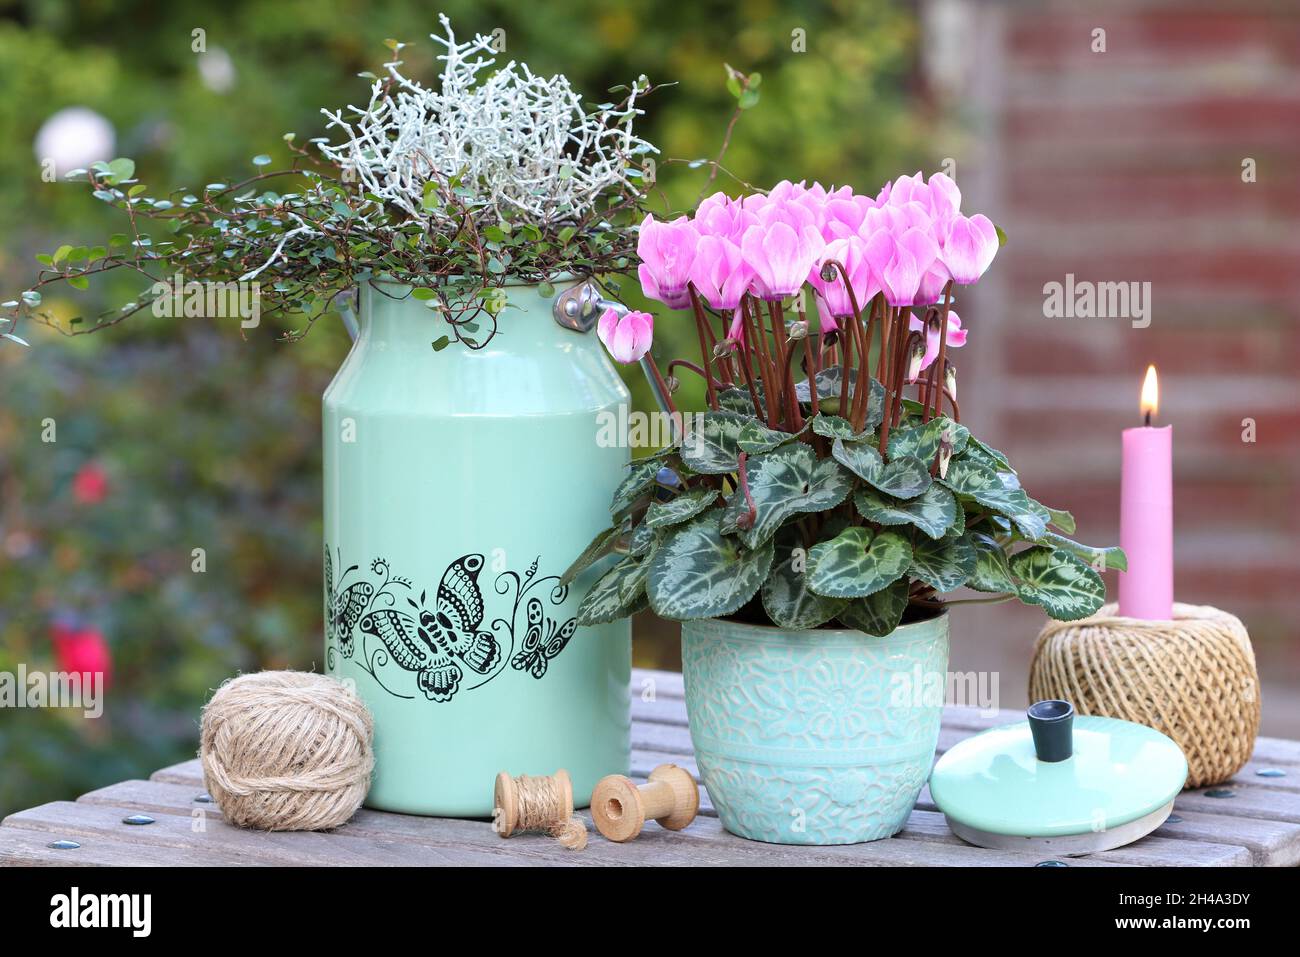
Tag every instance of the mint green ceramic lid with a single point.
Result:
(1118, 772)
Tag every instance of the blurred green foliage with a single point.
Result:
(211, 440)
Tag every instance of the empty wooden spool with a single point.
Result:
(620, 808)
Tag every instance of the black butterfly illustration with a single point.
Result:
(342, 611)
(538, 650)
(431, 644)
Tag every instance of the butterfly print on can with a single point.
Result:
(438, 640)
(444, 644)
(543, 640)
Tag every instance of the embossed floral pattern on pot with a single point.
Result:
(813, 737)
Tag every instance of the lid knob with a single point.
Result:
(1052, 725)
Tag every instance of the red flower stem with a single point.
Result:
(778, 344)
(754, 330)
(943, 343)
(746, 353)
(706, 354)
(812, 358)
(743, 477)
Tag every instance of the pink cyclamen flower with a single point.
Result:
(968, 247)
(781, 256)
(956, 337)
(667, 251)
(626, 337)
(720, 274)
(901, 262)
(834, 294)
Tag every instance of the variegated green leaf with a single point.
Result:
(733, 399)
(788, 481)
(857, 562)
(639, 479)
(600, 546)
(680, 508)
(616, 594)
(1100, 559)
(991, 573)
(934, 511)
(902, 478)
(878, 614)
(1061, 519)
(922, 441)
(786, 597)
(834, 427)
(756, 438)
(976, 481)
(712, 447)
(641, 540)
(945, 564)
(697, 572)
(828, 394)
(987, 455)
(1063, 586)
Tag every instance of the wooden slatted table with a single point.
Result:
(1255, 820)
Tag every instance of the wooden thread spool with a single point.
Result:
(620, 808)
(538, 804)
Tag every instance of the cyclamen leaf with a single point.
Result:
(640, 477)
(991, 573)
(1063, 586)
(1062, 520)
(600, 546)
(983, 485)
(944, 565)
(922, 441)
(642, 539)
(737, 400)
(680, 508)
(1100, 559)
(858, 562)
(902, 478)
(697, 572)
(878, 614)
(616, 594)
(987, 455)
(834, 427)
(788, 481)
(756, 438)
(934, 511)
(786, 597)
(713, 446)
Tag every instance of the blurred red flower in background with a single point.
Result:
(80, 648)
(90, 485)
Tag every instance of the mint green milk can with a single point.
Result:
(459, 485)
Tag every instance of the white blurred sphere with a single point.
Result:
(75, 137)
(217, 70)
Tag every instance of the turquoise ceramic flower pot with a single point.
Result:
(459, 484)
(814, 737)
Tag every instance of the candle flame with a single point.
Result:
(1150, 393)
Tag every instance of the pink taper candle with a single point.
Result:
(1146, 519)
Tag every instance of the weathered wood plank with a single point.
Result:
(1259, 825)
(237, 845)
(24, 848)
(703, 843)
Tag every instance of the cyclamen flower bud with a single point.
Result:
(950, 378)
(725, 349)
(798, 330)
(916, 354)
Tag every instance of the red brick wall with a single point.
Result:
(1126, 165)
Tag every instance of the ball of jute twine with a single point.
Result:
(286, 751)
(1192, 678)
